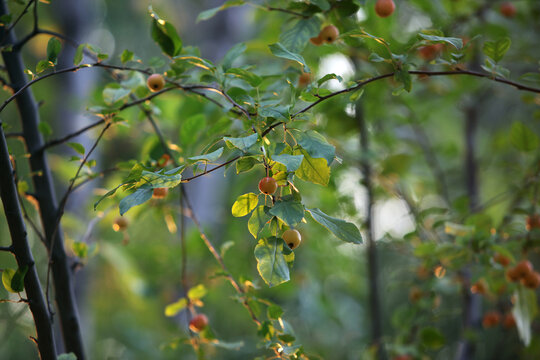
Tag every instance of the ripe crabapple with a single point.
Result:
(198, 323)
(501, 259)
(523, 268)
(329, 34)
(155, 82)
(268, 185)
(304, 79)
(292, 238)
(160, 193)
(508, 9)
(491, 319)
(316, 40)
(430, 52)
(384, 8)
(531, 280)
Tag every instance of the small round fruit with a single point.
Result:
(329, 34)
(163, 160)
(512, 275)
(415, 294)
(509, 321)
(501, 259)
(292, 238)
(533, 222)
(198, 323)
(155, 82)
(384, 8)
(523, 268)
(120, 224)
(160, 193)
(491, 319)
(507, 9)
(430, 52)
(479, 287)
(268, 185)
(316, 40)
(531, 280)
(304, 79)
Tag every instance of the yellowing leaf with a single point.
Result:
(244, 204)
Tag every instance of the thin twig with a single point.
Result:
(63, 202)
(24, 11)
(62, 140)
(7, 248)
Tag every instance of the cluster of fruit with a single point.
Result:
(494, 318)
(268, 186)
(523, 272)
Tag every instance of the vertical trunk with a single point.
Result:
(44, 191)
(23, 255)
(373, 275)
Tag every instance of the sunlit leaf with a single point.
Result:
(245, 204)
(313, 170)
(175, 307)
(270, 261)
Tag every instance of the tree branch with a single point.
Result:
(21, 249)
(42, 179)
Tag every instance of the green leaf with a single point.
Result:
(77, 147)
(207, 14)
(296, 38)
(54, 46)
(251, 78)
(276, 112)
(43, 65)
(291, 162)
(321, 4)
(314, 170)
(175, 307)
(245, 163)
(258, 220)
(113, 93)
(13, 280)
(126, 56)
(78, 58)
(140, 196)
(280, 51)
(274, 312)
(44, 128)
(68, 356)
(197, 292)
(327, 77)
(456, 42)
(342, 229)
(523, 138)
(243, 143)
(403, 76)
(80, 249)
(244, 204)
(271, 263)
(289, 211)
(524, 311)
(165, 35)
(315, 144)
(431, 338)
(210, 157)
(161, 179)
(231, 55)
(497, 49)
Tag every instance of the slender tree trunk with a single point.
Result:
(373, 273)
(44, 192)
(23, 255)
